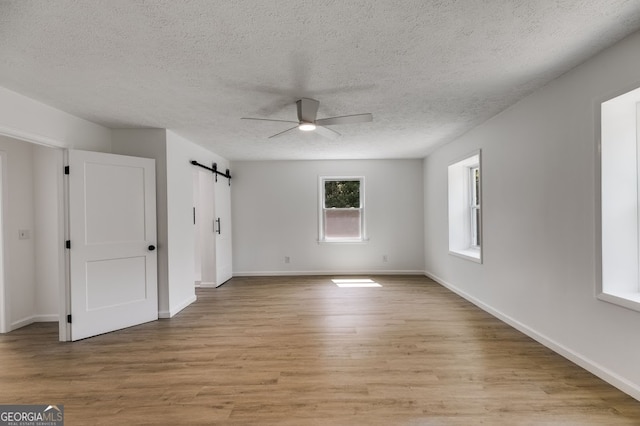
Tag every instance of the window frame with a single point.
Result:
(464, 206)
(322, 238)
(618, 199)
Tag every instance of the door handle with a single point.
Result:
(219, 229)
(152, 248)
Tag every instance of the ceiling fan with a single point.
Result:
(307, 112)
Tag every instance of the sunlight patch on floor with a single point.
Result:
(355, 282)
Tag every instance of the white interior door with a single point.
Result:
(224, 257)
(205, 230)
(197, 246)
(112, 229)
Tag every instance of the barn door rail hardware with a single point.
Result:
(214, 170)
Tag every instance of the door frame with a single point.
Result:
(3, 203)
(63, 278)
(64, 295)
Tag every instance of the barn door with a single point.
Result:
(223, 231)
(112, 254)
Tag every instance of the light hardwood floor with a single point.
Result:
(300, 351)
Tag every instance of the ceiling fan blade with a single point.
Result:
(307, 110)
(284, 131)
(346, 119)
(268, 119)
(327, 132)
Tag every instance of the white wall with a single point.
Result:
(180, 152)
(151, 143)
(20, 264)
(540, 244)
(275, 214)
(29, 120)
(26, 119)
(174, 190)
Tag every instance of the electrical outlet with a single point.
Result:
(385, 258)
(287, 259)
(24, 234)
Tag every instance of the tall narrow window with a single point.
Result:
(342, 209)
(465, 201)
(474, 185)
(620, 201)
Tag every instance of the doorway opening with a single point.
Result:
(31, 209)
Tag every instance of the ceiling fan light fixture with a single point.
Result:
(307, 127)
(308, 120)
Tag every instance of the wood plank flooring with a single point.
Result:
(301, 351)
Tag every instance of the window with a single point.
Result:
(342, 209)
(465, 211)
(619, 280)
(474, 184)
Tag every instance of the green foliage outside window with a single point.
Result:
(342, 194)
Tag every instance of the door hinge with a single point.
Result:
(66, 170)
(67, 244)
(69, 318)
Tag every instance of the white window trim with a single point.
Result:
(460, 209)
(363, 229)
(474, 207)
(618, 277)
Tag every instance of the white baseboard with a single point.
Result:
(596, 369)
(47, 318)
(337, 273)
(177, 308)
(33, 319)
(22, 323)
(204, 284)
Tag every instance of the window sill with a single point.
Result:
(472, 254)
(363, 241)
(629, 300)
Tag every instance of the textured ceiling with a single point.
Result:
(427, 70)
